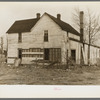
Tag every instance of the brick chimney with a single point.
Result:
(81, 36)
(58, 16)
(81, 26)
(38, 15)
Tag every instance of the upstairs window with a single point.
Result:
(46, 36)
(19, 37)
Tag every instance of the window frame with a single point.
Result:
(46, 39)
(20, 37)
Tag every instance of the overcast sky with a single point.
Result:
(12, 11)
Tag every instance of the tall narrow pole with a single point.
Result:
(1, 46)
(81, 35)
(89, 45)
(67, 51)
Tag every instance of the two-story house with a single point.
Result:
(44, 37)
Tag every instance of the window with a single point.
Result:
(41, 55)
(33, 55)
(46, 36)
(30, 49)
(33, 50)
(23, 50)
(19, 37)
(41, 50)
(38, 50)
(55, 54)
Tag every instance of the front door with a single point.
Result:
(73, 55)
(20, 53)
(46, 54)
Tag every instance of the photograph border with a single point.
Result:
(85, 92)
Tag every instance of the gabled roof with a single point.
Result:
(65, 26)
(22, 26)
(26, 25)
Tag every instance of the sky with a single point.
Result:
(12, 11)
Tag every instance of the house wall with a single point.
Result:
(12, 47)
(94, 54)
(86, 53)
(57, 38)
(76, 46)
(35, 39)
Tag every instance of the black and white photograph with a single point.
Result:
(50, 43)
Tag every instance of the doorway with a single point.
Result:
(73, 55)
(46, 54)
(20, 53)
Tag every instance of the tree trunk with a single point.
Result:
(89, 44)
(89, 54)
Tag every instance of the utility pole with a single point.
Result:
(1, 46)
(67, 51)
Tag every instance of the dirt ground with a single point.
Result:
(31, 75)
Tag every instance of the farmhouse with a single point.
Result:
(47, 38)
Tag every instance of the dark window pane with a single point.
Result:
(46, 36)
(19, 37)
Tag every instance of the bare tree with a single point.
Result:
(91, 27)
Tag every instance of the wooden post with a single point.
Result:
(67, 60)
(67, 50)
(1, 46)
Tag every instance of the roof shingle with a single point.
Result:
(64, 26)
(22, 26)
(26, 25)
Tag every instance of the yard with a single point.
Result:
(31, 75)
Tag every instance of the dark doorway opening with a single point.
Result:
(20, 53)
(46, 54)
(73, 55)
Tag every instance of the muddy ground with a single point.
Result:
(32, 75)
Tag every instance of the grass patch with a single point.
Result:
(41, 75)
